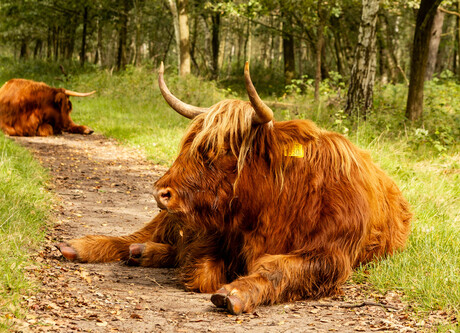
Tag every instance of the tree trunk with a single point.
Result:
(83, 37)
(24, 51)
(137, 58)
(38, 48)
(271, 50)
(436, 31)
(361, 88)
(288, 48)
(318, 52)
(193, 44)
(181, 30)
(49, 46)
(215, 42)
(422, 35)
(184, 38)
(248, 41)
(165, 53)
(458, 39)
(56, 43)
(71, 34)
(175, 15)
(389, 49)
(98, 58)
(241, 42)
(319, 49)
(382, 59)
(338, 52)
(122, 36)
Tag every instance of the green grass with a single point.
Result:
(423, 159)
(24, 212)
(129, 107)
(428, 270)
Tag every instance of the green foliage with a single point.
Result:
(24, 210)
(300, 86)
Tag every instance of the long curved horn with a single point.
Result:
(180, 107)
(77, 94)
(263, 113)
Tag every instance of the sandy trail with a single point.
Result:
(105, 188)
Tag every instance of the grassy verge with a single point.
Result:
(422, 158)
(24, 209)
(428, 270)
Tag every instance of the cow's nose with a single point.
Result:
(163, 197)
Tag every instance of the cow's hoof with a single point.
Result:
(135, 254)
(234, 305)
(136, 250)
(67, 251)
(88, 131)
(219, 299)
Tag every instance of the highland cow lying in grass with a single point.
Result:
(29, 108)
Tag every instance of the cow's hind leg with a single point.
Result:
(278, 278)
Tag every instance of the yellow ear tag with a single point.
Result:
(296, 150)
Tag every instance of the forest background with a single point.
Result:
(385, 73)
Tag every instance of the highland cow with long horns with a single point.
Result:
(257, 211)
(29, 108)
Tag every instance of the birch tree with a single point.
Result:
(361, 88)
(181, 30)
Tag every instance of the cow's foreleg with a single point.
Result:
(280, 278)
(78, 129)
(205, 274)
(152, 254)
(108, 248)
(101, 248)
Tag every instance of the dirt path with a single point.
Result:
(104, 188)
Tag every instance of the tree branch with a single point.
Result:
(352, 306)
(448, 11)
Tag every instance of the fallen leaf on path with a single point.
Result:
(136, 316)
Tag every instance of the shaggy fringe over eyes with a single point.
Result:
(226, 126)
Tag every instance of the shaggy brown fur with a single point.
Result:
(29, 108)
(244, 219)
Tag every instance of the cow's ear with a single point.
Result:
(61, 100)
